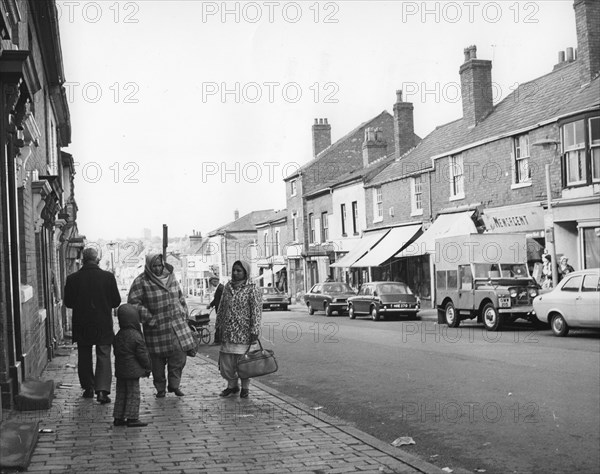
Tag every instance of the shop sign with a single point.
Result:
(514, 219)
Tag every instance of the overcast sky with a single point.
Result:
(182, 112)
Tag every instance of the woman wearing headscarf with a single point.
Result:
(163, 311)
(238, 320)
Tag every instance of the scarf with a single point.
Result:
(237, 284)
(165, 278)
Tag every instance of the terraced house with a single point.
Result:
(40, 243)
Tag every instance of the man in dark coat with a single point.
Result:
(91, 293)
(215, 282)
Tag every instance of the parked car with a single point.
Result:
(573, 303)
(328, 297)
(382, 298)
(274, 299)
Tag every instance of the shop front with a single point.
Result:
(577, 231)
(525, 219)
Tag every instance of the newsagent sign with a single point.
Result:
(528, 219)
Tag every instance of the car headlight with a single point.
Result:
(533, 292)
(513, 293)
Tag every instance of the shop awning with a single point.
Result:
(446, 225)
(366, 242)
(395, 240)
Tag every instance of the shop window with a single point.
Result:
(591, 247)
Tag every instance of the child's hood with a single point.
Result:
(129, 318)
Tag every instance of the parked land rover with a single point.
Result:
(483, 276)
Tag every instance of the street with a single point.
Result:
(519, 400)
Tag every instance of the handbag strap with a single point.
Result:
(250, 345)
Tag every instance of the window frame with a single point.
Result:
(594, 147)
(293, 187)
(294, 226)
(355, 217)
(416, 198)
(519, 157)
(311, 228)
(377, 204)
(457, 180)
(324, 226)
(580, 150)
(343, 217)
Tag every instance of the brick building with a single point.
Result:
(487, 169)
(40, 242)
(271, 251)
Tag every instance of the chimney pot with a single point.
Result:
(316, 121)
(399, 95)
(569, 54)
(561, 57)
(236, 215)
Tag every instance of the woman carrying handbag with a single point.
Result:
(238, 321)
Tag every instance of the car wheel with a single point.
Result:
(491, 318)
(374, 313)
(311, 310)
(452, 319)
(559, 326)
(327, 309)
(351, 314)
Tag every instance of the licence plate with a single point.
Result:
(274, 305)
(504, 302)
(401, 305)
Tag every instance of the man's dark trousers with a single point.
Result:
(99, 381)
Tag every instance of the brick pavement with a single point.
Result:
(201, 432)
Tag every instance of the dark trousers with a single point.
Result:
(100, 380)
(174, 362)
(127, 399)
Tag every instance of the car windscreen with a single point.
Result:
(501, 270)
(393, 289)
(336, 288)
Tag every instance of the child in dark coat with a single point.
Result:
(131, 362)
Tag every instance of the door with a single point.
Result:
(465, 287)
(364, 296)
(587, 303)
(569, 296)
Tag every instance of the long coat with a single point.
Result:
(162, 310)
(92, 292)
(240, 313)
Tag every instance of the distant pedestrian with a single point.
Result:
(131, 362)
(216, 283)
(546, 271)
(564, 268)
(238, 319)
(92, 293)
(158, 297)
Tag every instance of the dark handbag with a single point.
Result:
(256, 363)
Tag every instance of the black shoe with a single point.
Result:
(161, 394)
(176, 391)
(88, 393)
(244, 393)
(229, 391)
(103, 397)
(136, 423)
(119, 422)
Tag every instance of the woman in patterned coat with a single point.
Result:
(158, 297)
(238, 320)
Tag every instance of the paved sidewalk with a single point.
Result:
(201, 432)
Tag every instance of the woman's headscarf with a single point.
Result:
(163, 280)
(246, 267)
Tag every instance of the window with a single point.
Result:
(595, 147)
(573, 139)
(355, 217)
(276, 249)
(377, 204)
(266, 244)
(572, 284)
(416, 193)
(343, 217)
(311, 228)
(294, 226)
(591, 247)
(457, 185)
(324, 227)
(521, 154)
(590, 283)
(293, 187)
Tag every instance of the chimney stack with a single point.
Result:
(321, 136)
(236, 215)
(404, 128)
(587, 23)
(476, 87)
(374, 146)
